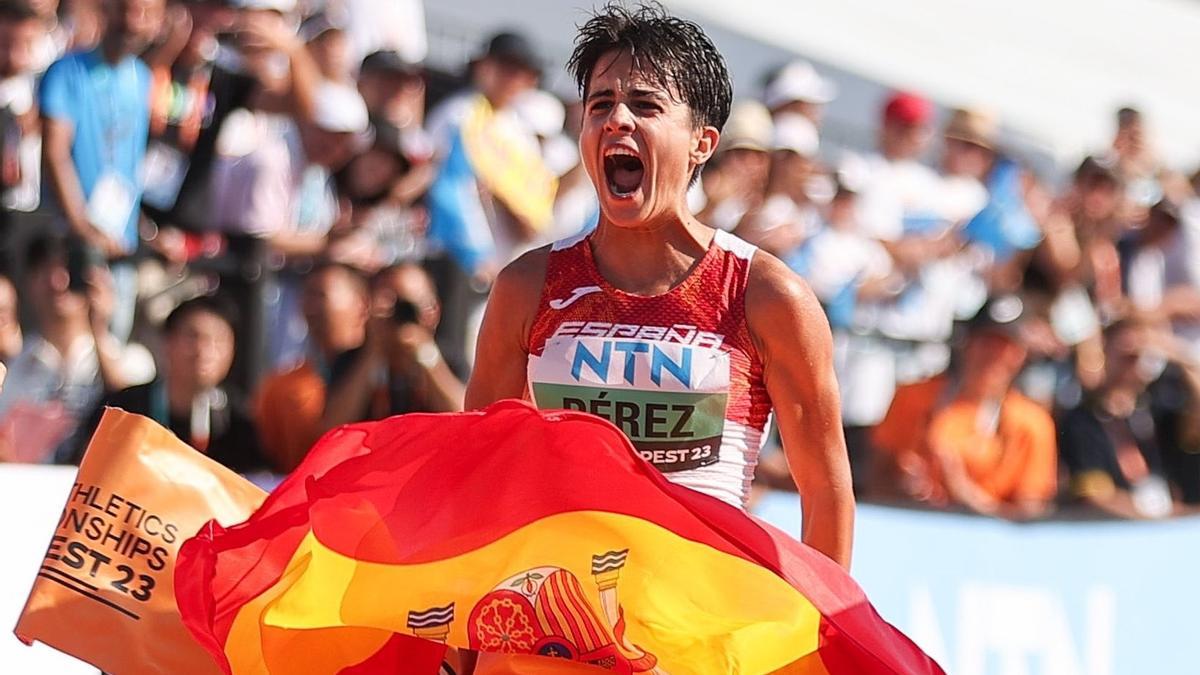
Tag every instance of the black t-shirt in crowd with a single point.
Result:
(1088, 438)
(233, 438)
(222, 92)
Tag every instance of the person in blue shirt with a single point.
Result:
(95, 109)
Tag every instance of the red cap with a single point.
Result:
(908, 109)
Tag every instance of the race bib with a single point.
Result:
(669, 398)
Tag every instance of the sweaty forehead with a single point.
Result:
(619, 71)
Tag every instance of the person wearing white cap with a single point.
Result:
(799, 88)
(545, 116)
(735, 179)
(259, 184)
(575, 204)
(280, 191)
(324, 35)
(788, 215)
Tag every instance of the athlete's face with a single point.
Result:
(639, 144)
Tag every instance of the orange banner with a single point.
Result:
(105, 591)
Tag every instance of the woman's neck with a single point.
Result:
(649, 260)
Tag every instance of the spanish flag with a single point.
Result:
(522, 532)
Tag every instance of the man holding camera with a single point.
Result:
(371, 355)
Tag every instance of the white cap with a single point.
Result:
(795, 133)
(541, 111)
(340, 109)
(798, 81)
(749, 127)
(281, 6)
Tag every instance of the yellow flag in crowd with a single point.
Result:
(508, 165)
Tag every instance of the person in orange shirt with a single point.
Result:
(979, 443)
(372, 354)
(333, 385)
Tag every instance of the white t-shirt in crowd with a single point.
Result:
(728, 213)
(903, 197)
(780, 213)
(892, 191)
(839, 258)
(1174, 262)
(262, 183)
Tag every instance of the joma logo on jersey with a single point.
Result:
(679, 333)
(626, 355)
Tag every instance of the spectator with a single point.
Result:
(968, 157)
(386, 226)
(419, 380)
(493, 194)
(188, 397)
(95, 108)
(1079, 265)
(1161, 266)
(787, 215)
(482, 235)
(393, 89)
(20, 163)
(79, 26)
(798, 88)
(1126, 455)
(1084, 252)
(1145, 177)
(280, 192)
(65, 367)
(986, 190)
(335, 382)
(200, 81)
(900, 194)
(902, 204)
(324, 34)
(53, 36)
(971, 439)
(852, 275)
(279, 186)
(736, 179)
(11, 338)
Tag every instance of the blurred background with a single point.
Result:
(255, 220)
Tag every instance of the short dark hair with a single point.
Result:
(206, 304)
(16, 11)
(357, 279)
(45, 249)
(1128, 115)
(671, 52)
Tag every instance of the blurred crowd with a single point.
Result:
(256, 220)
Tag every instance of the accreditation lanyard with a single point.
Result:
(200, 420)
(115, 80)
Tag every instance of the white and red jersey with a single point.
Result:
(676, 372)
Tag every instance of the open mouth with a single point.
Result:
(623, 170)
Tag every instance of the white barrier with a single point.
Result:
(31, 501)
